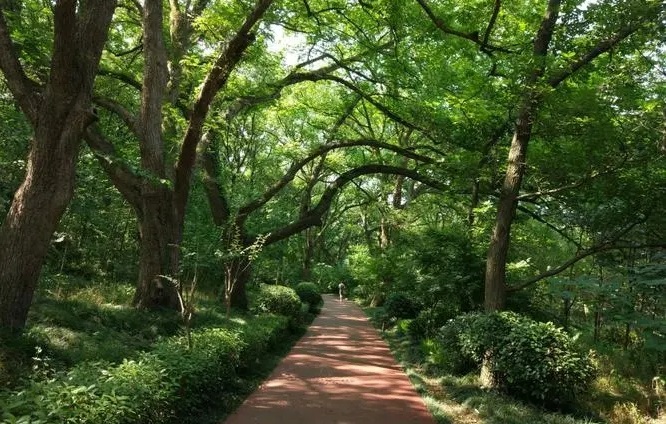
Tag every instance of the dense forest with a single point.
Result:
(462, 166)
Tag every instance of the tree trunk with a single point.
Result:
(495, 284)
(495, 287)
(26, 232)
(566, 311)
(239, 293)
(158, 285)
(59, 114)
(308, 254)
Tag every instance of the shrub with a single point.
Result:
(399, 305)
(439, 358)
(308, 293)
(279, 300)
(156, 387)
(531, 360)
(265, 333)
(429, 321)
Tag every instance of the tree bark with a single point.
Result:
(26, 231)
(239, 293)
(163, 208)
(159, 257)
(59, 116)
(158, 283)
(495, 284)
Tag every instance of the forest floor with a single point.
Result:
(341, 371)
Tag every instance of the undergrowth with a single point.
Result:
(456, 399)
(88, 357)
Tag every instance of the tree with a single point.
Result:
(536, 86)
(159, 194)
(59, 110)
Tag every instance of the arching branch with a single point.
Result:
(297, 166)
(130, 120)
(122, 77)
(611, 243)
(600, 48)
(214, 82)
(120, 174)
(471, 36)
(579, 256)
(245, 102)
(313, 217)
(382, 108)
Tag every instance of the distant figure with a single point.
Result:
(341, 290)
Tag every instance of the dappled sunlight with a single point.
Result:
(341, 372)
(239, 320)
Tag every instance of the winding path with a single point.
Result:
(340, 372)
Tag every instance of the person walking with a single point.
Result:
(341, 289)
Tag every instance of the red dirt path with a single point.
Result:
(340, 372)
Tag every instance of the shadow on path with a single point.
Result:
(340, 372)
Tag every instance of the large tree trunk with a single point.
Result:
(158, 264)
(59, 115)
(495, 287)
(495, 284)
(158, 285)
(164, 208)
(26, 231)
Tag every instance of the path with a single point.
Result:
(340, 372)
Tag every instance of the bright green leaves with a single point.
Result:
(31, 24)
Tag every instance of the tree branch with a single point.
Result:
(120, 174)
(23, 88)
(491, 24)
(382, 108)
(294, 168)
(579, 256)
(583, 181)
(122, 77)
(603, 246)
(119, 110)
(213, 83)
(600, 48)
(548, 224)
(210, 164)
(293, 78)
(313, 217)
(471, 36)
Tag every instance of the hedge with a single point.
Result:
(155, 387)
(276, 299)
(309, 293)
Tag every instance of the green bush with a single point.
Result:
(265, 333)
(279, 300)
(168, 382)
(531, 360)
(399, 305)
(308, 293)
(429, 321)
